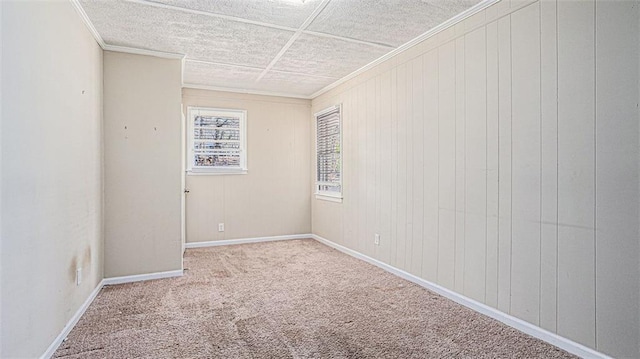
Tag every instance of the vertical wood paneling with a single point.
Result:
(377, 104)
(446, 164)
(487, 163)
(430, 135)
(617, 177)
(386, 166)
(401, 220)
(576, 171)
(370, 161)
(460, 166)
(361, 189)
(492, 166)
(525, 270)
(549, 215)
(504, 163)
(418, 196)
(348, 172)
(409, 168)
(475, 164)
(393, 251)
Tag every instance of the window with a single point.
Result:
(217, 141)
(329, 154)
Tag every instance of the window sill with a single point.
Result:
(324, 197)
(219, 172)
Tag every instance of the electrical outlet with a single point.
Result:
(376, 239)
(78, 276)
(220, 227)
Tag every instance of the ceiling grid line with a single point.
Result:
(295, 36)
(348, 39)
(258, 68)
(293, 48)
(211, 14)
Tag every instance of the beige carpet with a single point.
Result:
(289, 299)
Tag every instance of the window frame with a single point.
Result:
(190, 152)
(331, 196)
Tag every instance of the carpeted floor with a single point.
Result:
(288, 299)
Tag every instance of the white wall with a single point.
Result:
(273, 197)
(51, 172)
(499, 159)
(142, 164)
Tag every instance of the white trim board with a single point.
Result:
(72, 322)
(139, 51)
(107, 281)
(245, 91)
(516, 323)
(142, 277)
(88, 23)
(228, 242)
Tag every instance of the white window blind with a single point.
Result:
(329, 153)
(217, 140)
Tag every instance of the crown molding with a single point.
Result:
(138, 51)
(245, 91)
(88, 23)
(130, 50)
(445, 25)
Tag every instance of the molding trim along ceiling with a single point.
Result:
(88, 23)
(297, 32)
(245, 91)
(445, 25)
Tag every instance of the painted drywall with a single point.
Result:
(142, 164)
(52, 173)
(273, 197)
(499, 159)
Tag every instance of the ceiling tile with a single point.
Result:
(197, 73)
(290, 13)
(199, 36)
(292, 83)
(330, 57)
(389, 22)
(216, 75)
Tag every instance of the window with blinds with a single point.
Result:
(329, 154)
(217, 140)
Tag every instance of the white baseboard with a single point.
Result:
(519, 324)
(107, 281)
(227, 242)
(141, 277)
(72, 322)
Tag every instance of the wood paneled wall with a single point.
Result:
(499, 159)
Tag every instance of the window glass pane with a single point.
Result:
(211, 145)
(219, 159)
(202, 133)
(217, 138)
(216, 121)
(329, 157)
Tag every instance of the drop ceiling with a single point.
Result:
(291, 47)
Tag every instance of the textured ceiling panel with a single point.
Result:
(240, 37)
(289, 13)
(198, 73)
(389, 22)
(293, 83)
(327, 56)
(199, 36)
(215, 75)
